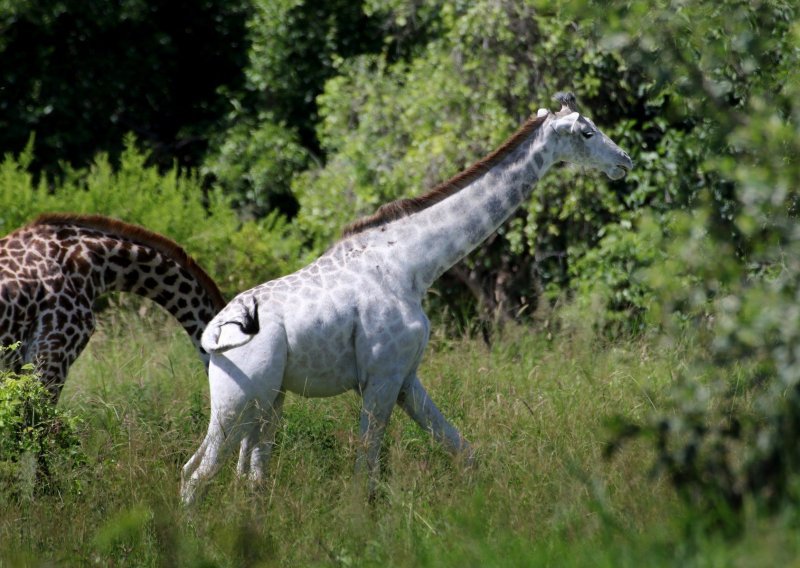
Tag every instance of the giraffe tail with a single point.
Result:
(234, 326)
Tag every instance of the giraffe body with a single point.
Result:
(52, 271)
(353, 319)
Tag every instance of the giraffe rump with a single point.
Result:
(408, 206)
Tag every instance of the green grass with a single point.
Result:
(542, 494)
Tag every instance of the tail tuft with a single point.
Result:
(234, 326)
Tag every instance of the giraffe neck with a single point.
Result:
(429, 242)
(101, 259)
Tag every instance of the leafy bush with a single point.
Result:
(270, 134)
(258, 251)
(33, 433)
(173, 203)
(27, 422)
(729, 436)
(255, 164)
(611, 281)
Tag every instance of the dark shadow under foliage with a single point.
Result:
(82, 74)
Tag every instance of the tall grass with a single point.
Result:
(541, 494)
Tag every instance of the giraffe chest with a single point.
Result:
(51, 317)
(46, 299)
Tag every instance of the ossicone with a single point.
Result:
(569, 103)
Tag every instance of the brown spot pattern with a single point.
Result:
(52, 270)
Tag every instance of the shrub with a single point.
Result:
(83, 73)
(173, 203)
(729, 437)
(610, 281)
(34, 434)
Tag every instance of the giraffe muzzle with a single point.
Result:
(621, 168)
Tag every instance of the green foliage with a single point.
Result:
(736, 252)
(295, 47)
(258, 251)
(270, 133)
(172, 203)
(33, 432)
(609, 280)
(255, 164)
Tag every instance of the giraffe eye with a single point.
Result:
(588, 134)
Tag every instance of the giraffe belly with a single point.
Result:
(326, 373)
(321, 357)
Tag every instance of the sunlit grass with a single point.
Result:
(535, 410)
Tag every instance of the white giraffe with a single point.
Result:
(352, 320)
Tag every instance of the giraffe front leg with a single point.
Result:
(378, 402)
(53, 351)
(416, 402)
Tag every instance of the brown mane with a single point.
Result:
(404, 207)
(141, 236)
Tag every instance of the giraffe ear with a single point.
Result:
(565, 124)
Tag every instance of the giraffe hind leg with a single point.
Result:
(244, 387)
(256, 447)
(224, 432)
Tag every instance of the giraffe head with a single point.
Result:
(580, 142)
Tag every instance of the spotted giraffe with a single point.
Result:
(53, 270)
(352, 320)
